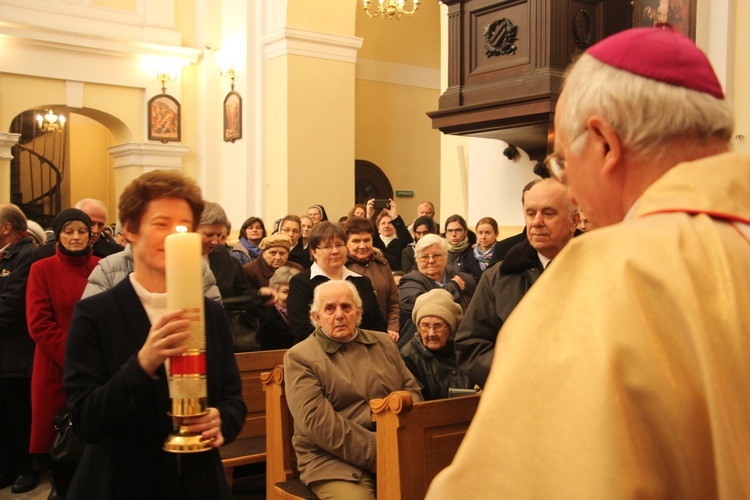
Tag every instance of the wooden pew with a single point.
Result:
(250, 445)
(415, 441)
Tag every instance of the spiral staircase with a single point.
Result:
(37, 168)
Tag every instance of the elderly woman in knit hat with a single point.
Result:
(274, 254)
(430, 355)
(55, 285)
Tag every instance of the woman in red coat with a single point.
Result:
(55, 285)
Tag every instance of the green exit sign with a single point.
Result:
(405, 194)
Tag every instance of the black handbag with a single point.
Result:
(67, 446)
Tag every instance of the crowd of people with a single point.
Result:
(374, 303)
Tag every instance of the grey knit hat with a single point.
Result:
(437, 302)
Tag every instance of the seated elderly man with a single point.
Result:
(330, 377)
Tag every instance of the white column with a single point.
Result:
(7, 141)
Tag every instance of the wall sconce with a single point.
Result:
(228, 71)
(50, 122)
(165, 76)
(388, 9)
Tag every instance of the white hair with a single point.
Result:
(91, 201)
(429, 240)
(323, 287)
(645, 113)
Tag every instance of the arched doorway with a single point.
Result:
(370, 182)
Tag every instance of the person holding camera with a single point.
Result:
(394, 235)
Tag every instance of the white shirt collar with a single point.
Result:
(315, 270)
(544, 260)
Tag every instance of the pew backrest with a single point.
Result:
(415, 441)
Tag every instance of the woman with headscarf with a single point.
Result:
(291, 226)
(275, 255)
(55, 285)
(317, 214)
(430, 355)
(252, 231)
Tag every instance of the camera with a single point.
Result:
(382, 204)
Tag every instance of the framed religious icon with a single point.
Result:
(680, 14)
(232, 117)
(164, 119)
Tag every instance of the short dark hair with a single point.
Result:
(383, 213)
(356, 225)
(11, 213)
(158, 184)
(527, 187)
(425, 220)
(249, 222)
(324, 231)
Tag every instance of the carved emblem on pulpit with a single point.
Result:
(499, 36)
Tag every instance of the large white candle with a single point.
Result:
(187, 380)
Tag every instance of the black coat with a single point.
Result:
(120, 412)
(464, 262)
(392, 252)
(300, 255)
(500, 289)
(16, 346)
(274, 333)
(435, 371)
(301, 290)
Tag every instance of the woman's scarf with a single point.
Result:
(484, 258)
(251, 247)
(73, 253)
(460, 247)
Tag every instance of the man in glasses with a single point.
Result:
(646, 394)
(551, 221)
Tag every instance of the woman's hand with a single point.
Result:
(209, 425)
(165, 339)
(268, 296)
(461, 283)
(394, 335)
(370, 208)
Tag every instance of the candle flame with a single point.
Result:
(181, 229)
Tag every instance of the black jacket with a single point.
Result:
(500, 289)
(102, 248)
(16, 346)
(435, 371)
(301, 290)
(392, 252)
(465, 262)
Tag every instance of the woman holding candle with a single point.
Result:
(115, 377)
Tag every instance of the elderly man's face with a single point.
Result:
(338, 315)
(98, 220)
(549, 225)
(425, 209)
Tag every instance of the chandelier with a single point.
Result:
(51, 122)
(388, 9)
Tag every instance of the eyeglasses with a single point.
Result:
(457, 230)
(327, 248)
(437, 327)
(556, 165)
(289, 230)
(437, 257)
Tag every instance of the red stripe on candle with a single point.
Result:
(193, 364)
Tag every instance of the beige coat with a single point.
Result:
(624, 372)
(328, 389)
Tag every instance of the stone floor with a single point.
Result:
(249, 484)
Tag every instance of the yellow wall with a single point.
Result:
(411, 40)
(90, 167)
(394, 132)
(741, 79)
(332, 16)
(123, 5)
(19, 93)
(392, 128)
